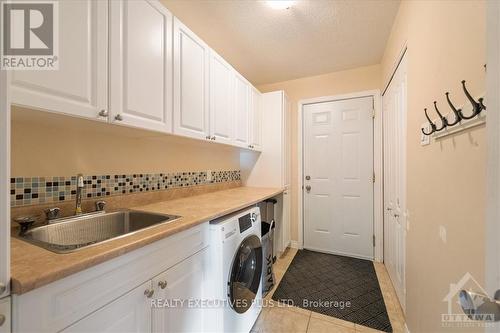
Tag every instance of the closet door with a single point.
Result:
(141, 64)
(221, 99)
(80, 86)
(191, 83)
(394, 104)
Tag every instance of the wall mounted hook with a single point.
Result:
(476, 107)
(457, 113)
(444, 121)
(433, 126)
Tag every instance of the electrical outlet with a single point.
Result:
(442, 234)
(425, 139)
(209, 175)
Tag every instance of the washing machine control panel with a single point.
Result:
(245, 222)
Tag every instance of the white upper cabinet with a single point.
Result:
(191, 83)
(241, 109)
(221, 99)
(80, 85)
(141, 64)
(255, 120)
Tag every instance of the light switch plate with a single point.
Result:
(425, 139)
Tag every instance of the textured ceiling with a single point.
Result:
(312, 37)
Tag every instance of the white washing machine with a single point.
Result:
(235, 271)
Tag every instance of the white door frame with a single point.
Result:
(492, 246)
(5, 180)
(378, 217)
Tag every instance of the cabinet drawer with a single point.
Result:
(61, 303)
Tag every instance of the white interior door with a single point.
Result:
(338, 177)
(394, 110)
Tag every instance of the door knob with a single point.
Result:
(308, 177)
(162, 284)
(308, 188)
(149, 293)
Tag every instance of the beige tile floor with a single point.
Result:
(277, 319)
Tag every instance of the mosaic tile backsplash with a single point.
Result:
(40, 190)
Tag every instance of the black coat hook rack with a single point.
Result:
(459, 116)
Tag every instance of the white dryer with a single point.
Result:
(236, 270)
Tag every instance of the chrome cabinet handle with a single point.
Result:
(149, 293)
(162, 284)
(308, 177)
(2, 288)
(2, 319)
(103, 113)
(119, 117)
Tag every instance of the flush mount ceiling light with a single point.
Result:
(280, 4)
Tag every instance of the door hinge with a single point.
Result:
(373, 240)
(373, 177)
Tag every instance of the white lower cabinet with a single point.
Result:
(167, 303)
(183, 284)
(129, 313)
(119, 295)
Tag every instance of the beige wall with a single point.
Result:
(45, 144)
(360, 79)
(446, 180)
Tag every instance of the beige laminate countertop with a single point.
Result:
(33, 266)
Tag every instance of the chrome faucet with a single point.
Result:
(79, 189)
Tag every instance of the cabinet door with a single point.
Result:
(286, 141)
(185, 281)
(141, 64)
(80, 86)
(129, 313)
(241, 108)
(191, 83)
(221, 99)
(255, 120)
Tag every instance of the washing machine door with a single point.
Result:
(245, 276)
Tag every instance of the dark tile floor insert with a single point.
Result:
(321, 282)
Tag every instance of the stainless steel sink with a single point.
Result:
(78, 232)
